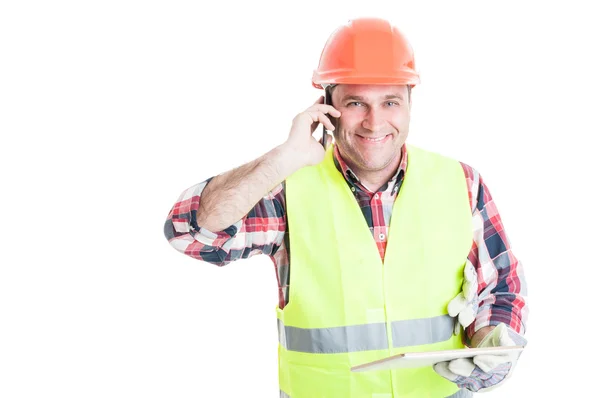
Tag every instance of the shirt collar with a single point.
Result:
(351, 177)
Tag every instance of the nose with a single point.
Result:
(374, 120)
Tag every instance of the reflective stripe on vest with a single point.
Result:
(372, 336)
(459, 394)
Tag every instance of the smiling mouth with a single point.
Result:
(374, 140)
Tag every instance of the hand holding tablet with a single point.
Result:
(430, 358)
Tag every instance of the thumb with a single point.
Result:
(497, 337)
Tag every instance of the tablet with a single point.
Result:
(419, 359)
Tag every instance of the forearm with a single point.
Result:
(496, 307)
(259, 231)
(230, 196)
(502, 288)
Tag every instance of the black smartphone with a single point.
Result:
(327, 102)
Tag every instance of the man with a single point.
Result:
(380, 247)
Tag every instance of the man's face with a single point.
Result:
(373, 125)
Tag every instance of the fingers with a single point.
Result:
(460, 306)
(309, 120)
(463, 304)
(442, 369)
(470, 285)
(320, 117)
(457, 304)
(466, 316)
(318, 114)
(487, 363)
(457, 326)
(321, 107)
(462, 366)
(468, 293)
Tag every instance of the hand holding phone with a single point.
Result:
(301, 145)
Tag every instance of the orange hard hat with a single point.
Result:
(366, 51)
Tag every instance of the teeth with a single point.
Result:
(374, 139)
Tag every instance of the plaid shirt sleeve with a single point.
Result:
(502, 288)
(261, 231)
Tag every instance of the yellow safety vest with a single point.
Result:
(346, 307)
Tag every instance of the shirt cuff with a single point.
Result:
(215, 239)
(493, 317)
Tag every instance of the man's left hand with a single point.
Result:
(484, 372)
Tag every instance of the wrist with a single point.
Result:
(284, 160)
(288, 158)
(479, 335)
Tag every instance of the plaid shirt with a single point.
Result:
(264, 231)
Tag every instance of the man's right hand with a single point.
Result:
(301, 144)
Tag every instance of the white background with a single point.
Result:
(109, 110)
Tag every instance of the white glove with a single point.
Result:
(464, 304)
(484, 372)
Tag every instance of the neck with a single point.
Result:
(375, 179)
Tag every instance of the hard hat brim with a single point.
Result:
(339, 77)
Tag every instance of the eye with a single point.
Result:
(392, 103)
(354, 103)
